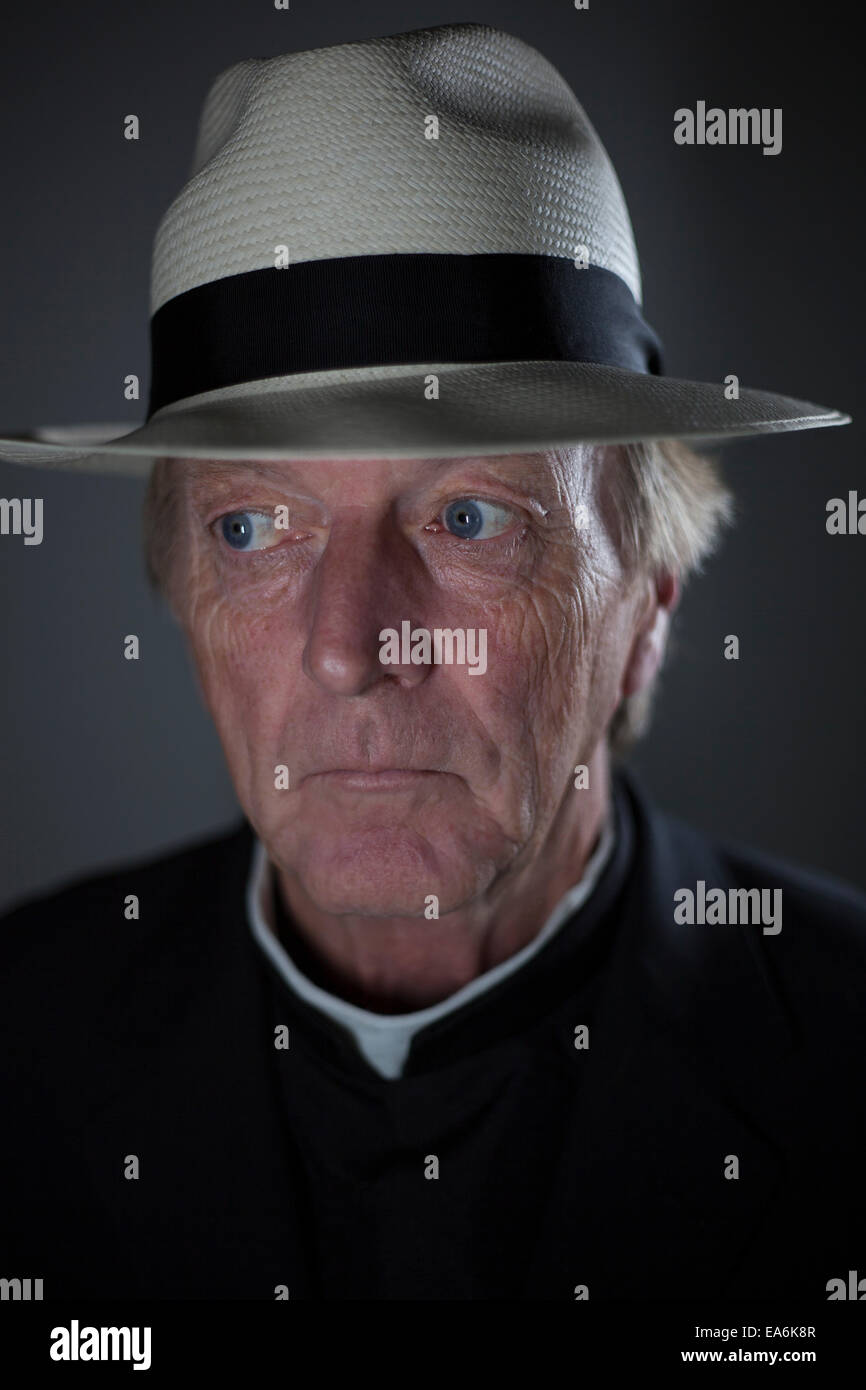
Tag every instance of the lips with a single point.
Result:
(374, 779)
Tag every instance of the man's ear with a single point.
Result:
(660, 597)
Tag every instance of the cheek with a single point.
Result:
(562, 620)
(572, 643)
(240, 650)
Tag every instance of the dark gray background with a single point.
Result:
(751, 264)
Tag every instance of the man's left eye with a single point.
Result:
(472, 518)
(248, 530)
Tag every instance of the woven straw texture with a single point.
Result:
(325, 152)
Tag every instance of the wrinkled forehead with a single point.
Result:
(555, 475)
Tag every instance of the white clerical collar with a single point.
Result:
(385, 1039)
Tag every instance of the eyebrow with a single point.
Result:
(228, 470)
(209, 477)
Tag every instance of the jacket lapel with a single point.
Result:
(179, 1073)
(688, 1049)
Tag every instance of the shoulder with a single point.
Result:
(89, 920)
(805, 929)
(818, 957)
(812, 900)
(814, 909)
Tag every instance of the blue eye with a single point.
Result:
(467, 516)
(237, 529)
(243, 531)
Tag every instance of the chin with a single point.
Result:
(387, 872)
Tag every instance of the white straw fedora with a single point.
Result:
(406, 246)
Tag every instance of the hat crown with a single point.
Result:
(324, 152)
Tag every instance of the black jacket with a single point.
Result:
(262, 1169)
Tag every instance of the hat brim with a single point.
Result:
(385, 412)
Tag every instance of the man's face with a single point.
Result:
(404, 779)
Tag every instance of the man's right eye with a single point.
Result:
(248, 530)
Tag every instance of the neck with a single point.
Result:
(398, 965)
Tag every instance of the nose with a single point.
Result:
(363, 582)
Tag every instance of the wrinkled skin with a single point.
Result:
(285, 640)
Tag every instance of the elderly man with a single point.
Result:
(406, 779)
(455, 1012)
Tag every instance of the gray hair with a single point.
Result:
(673, 506)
